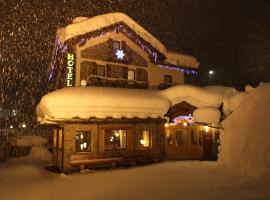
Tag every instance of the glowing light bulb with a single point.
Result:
(185, 123)
(142, 142)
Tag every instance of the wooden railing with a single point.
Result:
(115, 82)
(163, 86)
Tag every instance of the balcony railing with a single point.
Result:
(115, 82)
(163, 86)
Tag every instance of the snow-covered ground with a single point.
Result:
(168, 180)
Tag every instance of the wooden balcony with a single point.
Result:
(163, 86)
(115, 82)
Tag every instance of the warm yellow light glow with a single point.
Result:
(166, 125)
(117, 134)
(206, 128)
(142, 142)
(81, 136)
(185, 123)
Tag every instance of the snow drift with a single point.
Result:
(39, 152)
(246, 135)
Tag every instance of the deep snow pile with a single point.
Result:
(39, 153)
(246, 135)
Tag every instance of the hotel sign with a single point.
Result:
(70, 67)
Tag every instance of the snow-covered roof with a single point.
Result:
(99, 102)
(82, 25)
(198, 96)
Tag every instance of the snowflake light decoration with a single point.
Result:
(120, 54)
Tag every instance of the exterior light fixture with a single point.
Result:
(23, 125)
(83, 83)
(206, 128)
(211, 72)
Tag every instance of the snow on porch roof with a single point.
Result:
(82, 25)
(100, 102)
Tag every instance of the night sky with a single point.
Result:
(230, 37)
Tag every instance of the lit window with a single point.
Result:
(83, 141)
(115, 139)
(60, 138)
(180, 137)
(131, 74)
(55, 138)
(144, 139)
(169, 138)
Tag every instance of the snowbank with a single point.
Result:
(82, 25)
(209, 115)
(27, 141)
(39, 153)
(99, 102)
(246, 135)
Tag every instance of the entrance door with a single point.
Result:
(207, 146)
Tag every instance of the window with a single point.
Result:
(200, 137)
(115, 139)
(192, 135)
(60, 138)
(101, 70)
(131, 74)
(217, 136)
(55, 138)
(169, 138)
(144, 139)
(83, 141)
(168, 79)
(116, 45)
(180, 137)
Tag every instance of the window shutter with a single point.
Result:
(108, 71)
(110, 49)
(138, 75)
(93, 68)
(125, 69)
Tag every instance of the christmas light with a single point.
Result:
(176, 68)
(120, 54)
(178, 119)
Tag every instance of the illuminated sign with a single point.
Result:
(70, 66)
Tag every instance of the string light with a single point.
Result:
(181, 118)
(123, 28)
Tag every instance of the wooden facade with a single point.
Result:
(100, 148)
(191, 142)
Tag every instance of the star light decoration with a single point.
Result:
(120, 54)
